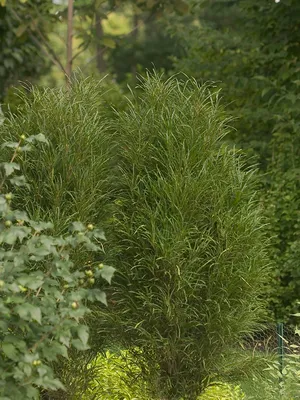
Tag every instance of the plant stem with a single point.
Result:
(69, 42)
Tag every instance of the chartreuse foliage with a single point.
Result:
(222, 391)
(189, 239)
(43, 299)
(118, 377)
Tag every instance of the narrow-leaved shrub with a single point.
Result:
(69, 178)
(189, 238)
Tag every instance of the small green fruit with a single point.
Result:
(101, 266)
(2, 283)
(90, 227)
(91, 281)
(89, 272)
(81, 281)
(8, 224)
(75, 305)
(23, 137)
(8, 196)
(36, 363)
(66, 286)
(19, 150)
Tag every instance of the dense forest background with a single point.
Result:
(127, 66)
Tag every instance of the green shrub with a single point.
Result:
(69, 179)
(222, 391)
(43, 299)
(189, 239)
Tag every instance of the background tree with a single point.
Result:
(22, 55)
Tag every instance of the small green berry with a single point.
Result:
(101, 266)
(89, 272)
(66, 286)
(74, 305)
(23, 137)
(81, 281)
(90, 227)
(8, 224)
(2, 283)
(8, 196)
(19, 150)
(80, 234)
(36, 363)
(91, 281)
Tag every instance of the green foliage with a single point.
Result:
(272, 382)
(118, 376)
(69, 178)
(222, 391)
(260, 81)
(190, 244)
(43, 298)
(20, 52)
(152, 48)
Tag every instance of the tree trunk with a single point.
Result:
(135, 32)
(69, 41)
(101, 64)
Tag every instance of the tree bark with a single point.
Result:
(69, 41)
(101, 64)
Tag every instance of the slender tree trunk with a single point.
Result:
(101, 64)
(135, 33)
(69, 41)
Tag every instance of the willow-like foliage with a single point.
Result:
(69, 177)
(189, 238)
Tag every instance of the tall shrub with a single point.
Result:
(191, 249)
(69, 178)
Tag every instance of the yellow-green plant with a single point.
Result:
(222, 391)
(116, 376)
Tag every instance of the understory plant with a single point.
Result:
(189, 239)
(222, 391)
(44, 299)
(116, 376)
